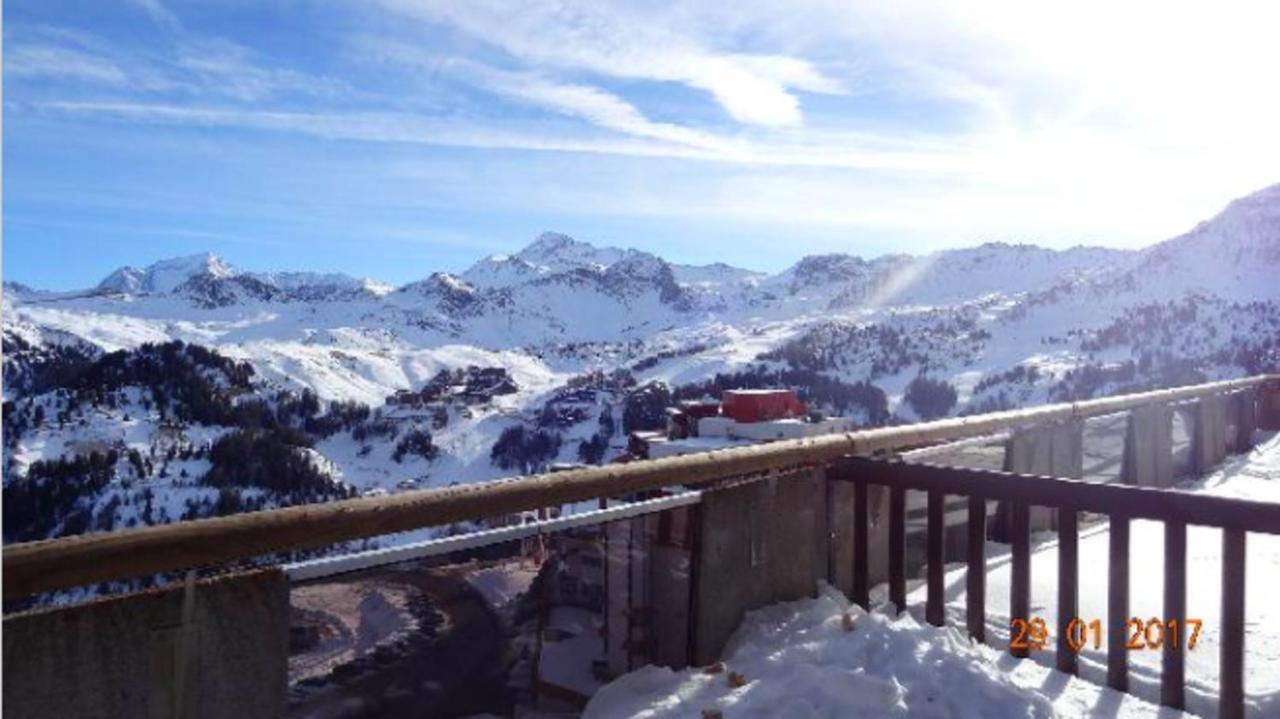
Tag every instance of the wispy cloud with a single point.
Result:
(612, 40)
(992, 118)
(848, 151)
(52, 61)
(158, 13)
(176, 62)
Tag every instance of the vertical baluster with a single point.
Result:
(1068, 581)
(1231, 667)
(1118, 605)
(976, 577)
(897, 547)
(1175, 610)
(861, 593)
(935, 608)
(1020, 585)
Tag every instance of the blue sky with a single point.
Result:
(391, 139)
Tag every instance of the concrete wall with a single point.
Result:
(761, 542)
(120, 657)
(1050, 450)
(841, 547)
(647, 611)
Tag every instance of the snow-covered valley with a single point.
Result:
(190, 388)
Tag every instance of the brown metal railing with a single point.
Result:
(1122, 504)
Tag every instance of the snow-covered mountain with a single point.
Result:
(207, 280)
(176, 385)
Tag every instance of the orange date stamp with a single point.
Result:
(1143, 634)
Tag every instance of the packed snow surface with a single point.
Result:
(806, 659)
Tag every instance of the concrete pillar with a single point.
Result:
(1269, 407)
(1246, 416)
(1209, 437)
(760, 542)
(121, 656)
(1148, 447)
(1051, 450)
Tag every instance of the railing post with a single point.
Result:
(897, 547)
(1020, 580)
(976, 574)
(935, 607)
(861, 550)
(1068, 580)
(1175, 610)
(1118, 605)
(1231, 659)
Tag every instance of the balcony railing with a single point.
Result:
(757, 542)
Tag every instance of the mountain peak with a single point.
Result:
(559, 252)
(166, 275)
(1243, 238)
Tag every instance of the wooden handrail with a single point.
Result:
(91, 558)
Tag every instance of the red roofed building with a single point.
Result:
(761, 405)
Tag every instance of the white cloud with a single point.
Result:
(992, 118)
(612, 40)
(158, 13)
(61, 62)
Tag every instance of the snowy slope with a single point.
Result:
(1005, 325)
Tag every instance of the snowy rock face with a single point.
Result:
(168, 275)
(334, 361)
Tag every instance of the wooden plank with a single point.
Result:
(1139, 502)
(935, 604)
(1118, 605)
(1020, 583)
(1068, 586)
(976, 575)
(1175, 610)
(1231, 659)
(861, 510)
(87, 559)
(898, 547)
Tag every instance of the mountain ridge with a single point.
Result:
(554, 354)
